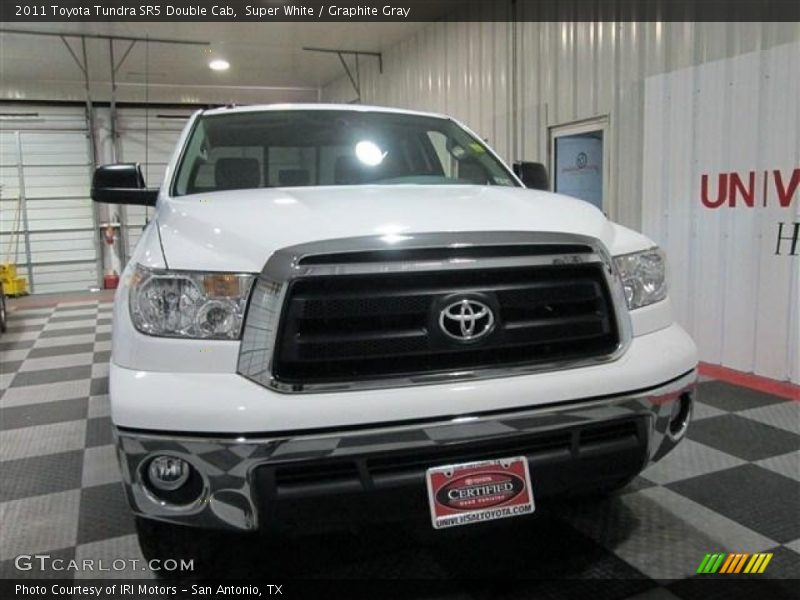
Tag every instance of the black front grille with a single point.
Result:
(353, 327)
(626, 439)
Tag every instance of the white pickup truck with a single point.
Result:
(346, 305)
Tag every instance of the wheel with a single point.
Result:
(166, 542)
(3, 325)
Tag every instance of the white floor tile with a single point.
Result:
(57, 362)
(46, 392)
(38, 524)
(100, 466)
(113, 553)
(689, 459)
(42, 439)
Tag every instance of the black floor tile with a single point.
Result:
(103, 356)
(40, 475)
(18, 345)
(99, 386)
(51, 375)
(9, 366)
(103, 337)
(98, 432)
(69, 318)
(764, 501)
(60, 350)
(43, 413)
(729, 397)
(30, 313)
(70, 307)
(12, 328)
(524, 552)
(743, 437)
(104, 513)
(637, 485)
(76, 305)
(67, 332)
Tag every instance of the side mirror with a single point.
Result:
(122, 184)
(532, 174)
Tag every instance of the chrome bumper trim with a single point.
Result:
(226, 465)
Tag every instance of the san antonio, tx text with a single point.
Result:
(143, 590)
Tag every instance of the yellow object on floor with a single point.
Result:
(12, 285)
(18, 286)
(8, 271)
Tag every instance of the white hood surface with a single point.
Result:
(239, 230)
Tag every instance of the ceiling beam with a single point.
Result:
(97, 36)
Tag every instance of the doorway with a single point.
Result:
(579, 160)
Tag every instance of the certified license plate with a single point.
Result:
(479, 491)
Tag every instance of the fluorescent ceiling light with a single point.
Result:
(219, 64)
(369, 153)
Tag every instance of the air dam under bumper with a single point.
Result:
(238, 480)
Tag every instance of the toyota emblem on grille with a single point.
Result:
(466, 320)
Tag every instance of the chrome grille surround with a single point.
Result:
(318, 259)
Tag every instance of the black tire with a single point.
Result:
(3, 322)
(167, 542)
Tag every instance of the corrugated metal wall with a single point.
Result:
(151, 147)
(462, 69)
(56, 223)
(511, 83)
(565, 72)
(736, 115)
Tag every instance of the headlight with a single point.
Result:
(644, 277)
(190, 304)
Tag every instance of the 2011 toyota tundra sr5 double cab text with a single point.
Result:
(337, 304)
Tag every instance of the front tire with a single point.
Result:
(3, 322)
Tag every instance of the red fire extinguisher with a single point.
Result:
(111, 280)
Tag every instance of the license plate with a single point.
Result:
(479, 491)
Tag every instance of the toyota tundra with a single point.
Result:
(343, 302)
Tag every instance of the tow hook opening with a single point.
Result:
(680, 416)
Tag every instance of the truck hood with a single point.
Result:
(239, 230)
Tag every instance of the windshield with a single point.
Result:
(331, 147)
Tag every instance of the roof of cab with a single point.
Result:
(318, 106)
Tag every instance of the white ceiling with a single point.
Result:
(262, 55)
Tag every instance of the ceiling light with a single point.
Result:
(369, 153)
(219, 64)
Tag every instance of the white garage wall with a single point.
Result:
(462, 69)
(57, 225)
(147, 137)
(736, 115)
(565, 72)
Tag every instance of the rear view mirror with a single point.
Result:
(122, 184)
(532, 174)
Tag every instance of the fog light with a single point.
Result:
(168, 472)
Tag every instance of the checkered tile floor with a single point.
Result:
(733, 485)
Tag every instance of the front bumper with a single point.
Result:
(567, 444)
